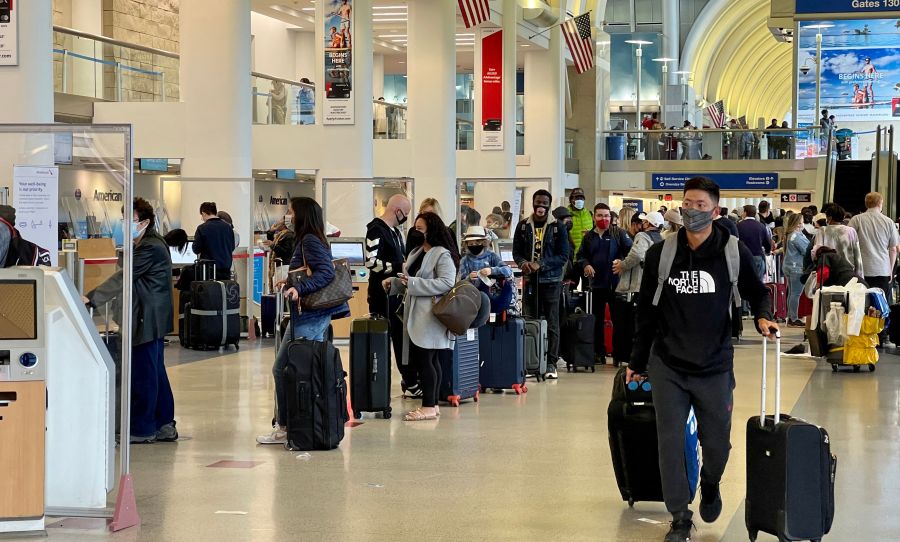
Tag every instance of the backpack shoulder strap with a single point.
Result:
(733, 259)
(666, 259)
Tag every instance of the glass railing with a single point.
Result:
(389, 120)
(282, 101)
(711, 144)
(465, 134)
(106, 69)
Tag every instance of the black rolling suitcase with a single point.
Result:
(212, 316)
(316, 395)
(634, 445)
(790, 472)
(268, 314)
(370, 366)
(577, 339)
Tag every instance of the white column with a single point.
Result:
(28, 88)
(431, 57)
(545, 112)
(305, 56)
(671, 39)
(87, 77)
(215, 86)
(377, 76)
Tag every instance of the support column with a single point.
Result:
(28, 87)
(431, 58)
(377, 76)
(672, 39)
(215, 86)
(545, 113)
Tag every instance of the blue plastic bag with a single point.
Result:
(878, 301)
(692, 452)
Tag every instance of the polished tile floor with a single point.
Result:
(535, 467)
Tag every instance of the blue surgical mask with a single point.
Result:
(579, 204)
(136, 230)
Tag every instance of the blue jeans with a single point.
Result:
(312, 329)
(795, 288)
(152, 403)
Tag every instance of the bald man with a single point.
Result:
(385, 253)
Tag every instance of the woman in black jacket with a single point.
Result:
(152, 403)
(314, 253)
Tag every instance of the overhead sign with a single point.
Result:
(726, 181)
(796, 197)
(846, 6)
(339, 62)
(36, 197)
(9, 25)
(491, 89)
(636, 204)
(154, 164)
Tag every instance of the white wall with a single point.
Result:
(158, 127)
(274, 47)
(305, 56)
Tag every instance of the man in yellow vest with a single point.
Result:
(582, 218)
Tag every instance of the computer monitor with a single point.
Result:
(506, 254)
(352, 251)
(187, 258)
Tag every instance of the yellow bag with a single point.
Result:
(861, 349)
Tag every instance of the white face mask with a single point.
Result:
(579, 204)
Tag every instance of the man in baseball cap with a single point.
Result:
(582, 218)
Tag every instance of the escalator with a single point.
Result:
(852, 181)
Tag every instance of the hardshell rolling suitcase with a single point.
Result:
(460, 368)
(633, 443)
(778, 297)
(267, 309)
(502, 347)
(577, 341)
(536, 348)
(790, 472)
(370, 366)
(316, 395)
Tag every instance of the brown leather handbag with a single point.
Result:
(336, 293)
(459, 307)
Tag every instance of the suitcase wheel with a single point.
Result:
(478, 393)
(593, 369)
(357, 414)
(518, 389)
(753, 535)
(871, 367)
(386, 413)
(524, 389)
(833, 368)
(453, 400)
(630, 503)
(499, 390)
(856, 368)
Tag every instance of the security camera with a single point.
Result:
(804, 70)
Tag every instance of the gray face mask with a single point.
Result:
(695, 220)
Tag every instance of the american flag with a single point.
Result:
(474, 12)
(716, 113)
(577, 32)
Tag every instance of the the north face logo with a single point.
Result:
(693, 282)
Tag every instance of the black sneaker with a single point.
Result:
(414, 392)
(798, 349)
(600, 360)
(710, 502)
(680, 531)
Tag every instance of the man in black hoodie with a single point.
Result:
(684, 339)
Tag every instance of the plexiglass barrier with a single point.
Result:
(496, 205)
(350, 204)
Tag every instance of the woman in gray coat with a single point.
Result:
(430, 273)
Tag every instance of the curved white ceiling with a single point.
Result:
(735, 58)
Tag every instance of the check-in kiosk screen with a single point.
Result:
(18, 310)
(351, 251)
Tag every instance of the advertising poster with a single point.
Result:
(36, 197)
(9, 52)
(491, 89)
(338, 107)
(860, 71)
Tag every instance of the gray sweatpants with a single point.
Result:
(674, 394)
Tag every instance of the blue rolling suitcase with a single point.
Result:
(460, 368)
(502, 347)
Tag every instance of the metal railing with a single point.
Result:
(282, 101)
(715, 144)
(389, 120)
(103, 68)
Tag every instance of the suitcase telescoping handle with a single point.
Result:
(762, 407)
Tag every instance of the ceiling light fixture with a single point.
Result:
(286, 10)
(639, 42)
(389, 7)
(388, 20)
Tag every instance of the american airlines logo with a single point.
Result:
(277, 201)
(693, 282)
(107, 196)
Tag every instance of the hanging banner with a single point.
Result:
(338, 106)
(9, 52)
(846, 6)
(491, 89)
(36, 198)
(860, 62)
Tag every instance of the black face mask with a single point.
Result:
(475, 250)
(414, 239)
(402, 218)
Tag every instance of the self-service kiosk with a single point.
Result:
(57, 395)
(353, 250)
(23, 399)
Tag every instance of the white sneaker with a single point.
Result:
(277, 436)
(889, 344)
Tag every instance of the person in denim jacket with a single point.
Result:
(795, 246)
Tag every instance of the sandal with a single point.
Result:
(418, 415)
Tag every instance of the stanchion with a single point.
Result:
(251, 329)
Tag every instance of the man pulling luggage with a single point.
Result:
(693, 283)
